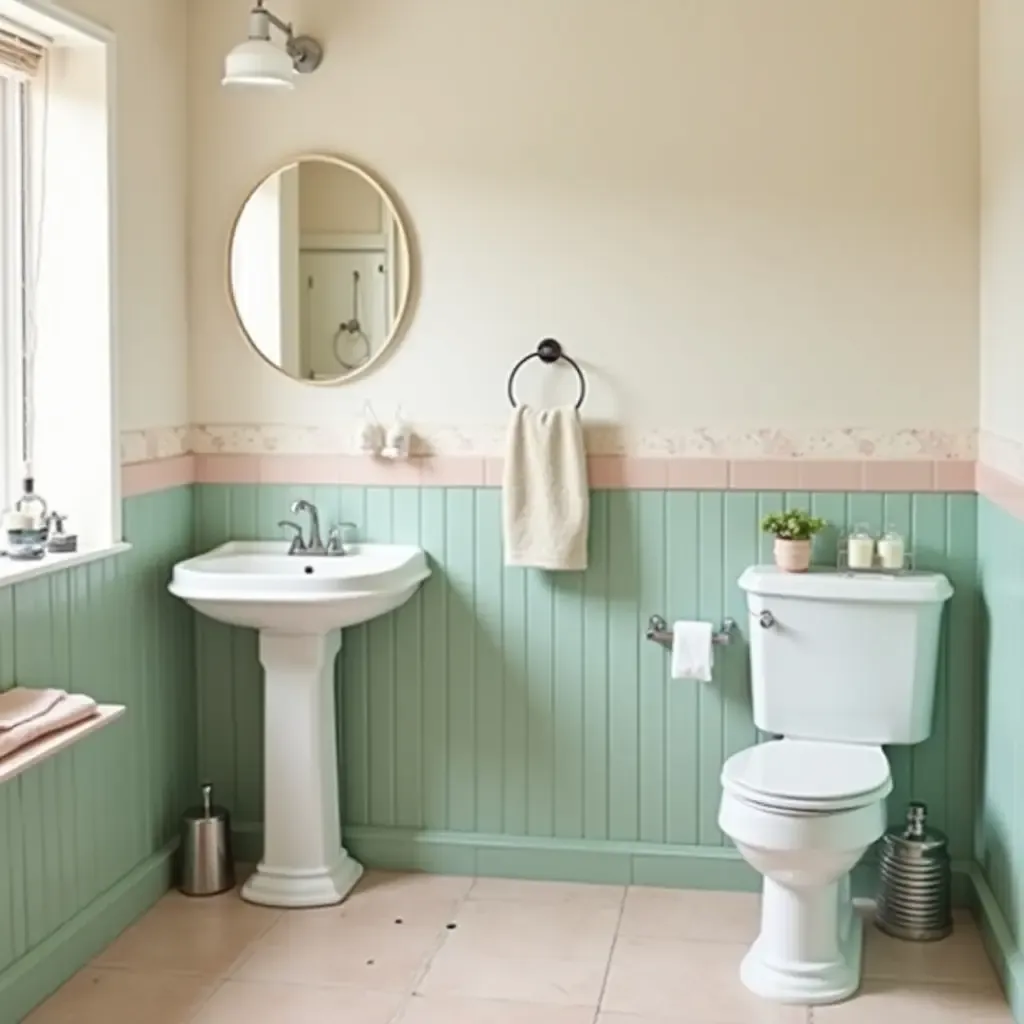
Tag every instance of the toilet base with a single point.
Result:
(807, 984)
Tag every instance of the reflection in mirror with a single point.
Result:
(319, 269)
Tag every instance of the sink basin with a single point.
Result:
(300, 604)
(258, 584)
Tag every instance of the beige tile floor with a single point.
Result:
(425, 949)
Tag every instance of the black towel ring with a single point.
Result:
(548, 351)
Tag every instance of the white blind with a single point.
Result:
(19, 56)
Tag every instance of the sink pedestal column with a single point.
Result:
(304, 863)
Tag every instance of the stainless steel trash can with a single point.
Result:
(915, 881)
(206, 867)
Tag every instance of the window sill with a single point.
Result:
(12, 572)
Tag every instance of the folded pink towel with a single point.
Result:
(20, 705)
(74, 708)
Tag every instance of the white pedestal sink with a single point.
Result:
(300, 604)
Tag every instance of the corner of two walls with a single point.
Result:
(999, 823)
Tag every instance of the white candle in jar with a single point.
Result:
(18, 521)
(890, 550)
(860, 550)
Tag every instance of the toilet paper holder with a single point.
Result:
(658, 631)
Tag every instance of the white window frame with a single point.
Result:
(52, 22)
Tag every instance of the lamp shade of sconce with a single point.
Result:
(260, 62)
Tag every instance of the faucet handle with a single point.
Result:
(297, 546)
(336, 538)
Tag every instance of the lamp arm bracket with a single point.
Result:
(273, 19)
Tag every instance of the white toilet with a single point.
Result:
(840, 664)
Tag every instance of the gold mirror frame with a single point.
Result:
(402, 313)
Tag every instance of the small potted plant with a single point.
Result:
(792, 531)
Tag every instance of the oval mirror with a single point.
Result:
(319, 270)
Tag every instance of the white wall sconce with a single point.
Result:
(259, 61)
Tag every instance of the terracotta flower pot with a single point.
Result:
(792, 555)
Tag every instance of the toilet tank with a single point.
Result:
(843, 656)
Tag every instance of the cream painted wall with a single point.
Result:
(731, 212)
(1002, 220)
(151, 178)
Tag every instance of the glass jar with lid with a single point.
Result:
(860, 548)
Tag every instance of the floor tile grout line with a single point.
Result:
(425, 970)
(611, 952)
(220, 983)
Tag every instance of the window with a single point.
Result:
(57, 322)
(15, 214)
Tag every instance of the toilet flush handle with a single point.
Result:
(766, 619)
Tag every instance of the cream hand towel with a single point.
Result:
(546, 501)
(74, 708)
(693, 652)
(20, 705)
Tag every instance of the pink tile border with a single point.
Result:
(697, 474)
(899, 475)
(830, 475)
(608, 472)
(157, 475)
(956, 476)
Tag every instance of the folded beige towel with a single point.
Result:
(20, 705)
(74, 708)
(545, 499)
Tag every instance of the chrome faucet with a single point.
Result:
(315, 546)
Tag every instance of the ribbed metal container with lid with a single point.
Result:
(914, 891)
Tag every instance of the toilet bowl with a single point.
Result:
(802, 813)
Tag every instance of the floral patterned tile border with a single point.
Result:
(601, 439)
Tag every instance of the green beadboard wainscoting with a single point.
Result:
(1000, 835)
(516, 722)
(86, 837)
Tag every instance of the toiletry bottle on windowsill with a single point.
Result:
(25, 525)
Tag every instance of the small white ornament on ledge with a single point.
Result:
(371, 434)
(398, 441)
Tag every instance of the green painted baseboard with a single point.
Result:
(28, 981)
(999, 942)
(570, 860)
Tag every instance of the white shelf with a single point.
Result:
(46, 746)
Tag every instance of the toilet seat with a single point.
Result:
(808, 776)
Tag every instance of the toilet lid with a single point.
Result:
(809, 774)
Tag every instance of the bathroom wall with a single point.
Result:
(1000, 835)
(739, 216)
(84, 836)
(755, 227)
(517, 723)
(1002, 225)
(150, 166)
(1000, 821)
